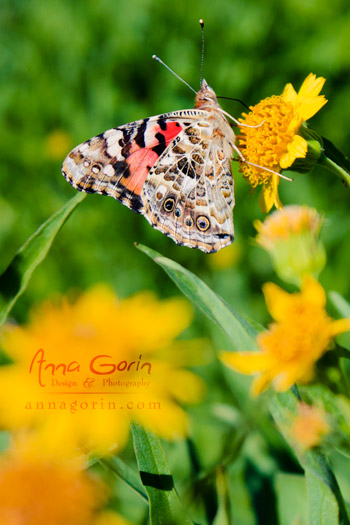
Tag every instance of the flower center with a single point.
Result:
(265, 144)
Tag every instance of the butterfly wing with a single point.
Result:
(158, 166)
(117, 162)
(189, 193)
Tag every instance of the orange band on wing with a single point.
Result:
(139, 164)
(141, 159)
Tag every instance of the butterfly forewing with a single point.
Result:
(117, 162)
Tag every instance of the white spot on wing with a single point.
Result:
(108, 170)
(84, 147)
(112, 138)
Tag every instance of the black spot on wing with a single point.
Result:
(162, 123)
(121, 168)
(223, 236)
(131, 199)
(125, 141)
(161, 146)
(140, 136)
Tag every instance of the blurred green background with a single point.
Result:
(71, 70)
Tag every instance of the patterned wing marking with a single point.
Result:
(188, 194)
(117, 162)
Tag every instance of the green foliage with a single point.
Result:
(83, 67)
(165, 506)
(325, 501)
(15, 278)
(71, 70)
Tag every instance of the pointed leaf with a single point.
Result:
(165, 506)
(240, 331)
(15, 278)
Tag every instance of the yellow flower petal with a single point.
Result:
(313, 292)
(260, 384)
(311, 86)
(275, 183)
(266, 198)
(340, 326)
(289, 94)
(309, 107)
(297, 149)
(246, 362)
(277, 301)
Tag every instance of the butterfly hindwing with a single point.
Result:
(188, 193)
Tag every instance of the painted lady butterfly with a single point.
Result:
(175, 169)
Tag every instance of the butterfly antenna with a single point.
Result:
(201, 23)
(236, 100)
(173, 72)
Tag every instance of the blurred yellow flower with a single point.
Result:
(290, 347)
(282, 224)
(276, 144)
(291, 237)
(35, 490)
(58, 142)
(309, 427)
(110, 518)
(225, 258)
(84, 370)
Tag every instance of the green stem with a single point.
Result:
(335, 168)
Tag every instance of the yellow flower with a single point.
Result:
(291, 237)
(225, 258)
(282, 224)
(309, 427)
(35, 490)
(58, 142)
(110, 518)
(290, 347)
(82, 371)
(277, 143)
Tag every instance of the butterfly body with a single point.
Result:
(175, 169)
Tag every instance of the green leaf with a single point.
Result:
(126, 473)
(237, 327)
(342, 307)
(335, 161)
(340, 304)
(325, 501)
(15, 278)
(323, 508)
(337, 156)
(165, 506)
(291, 499)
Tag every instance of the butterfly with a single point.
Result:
(175, 169)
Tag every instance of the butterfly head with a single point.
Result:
(205, 97)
